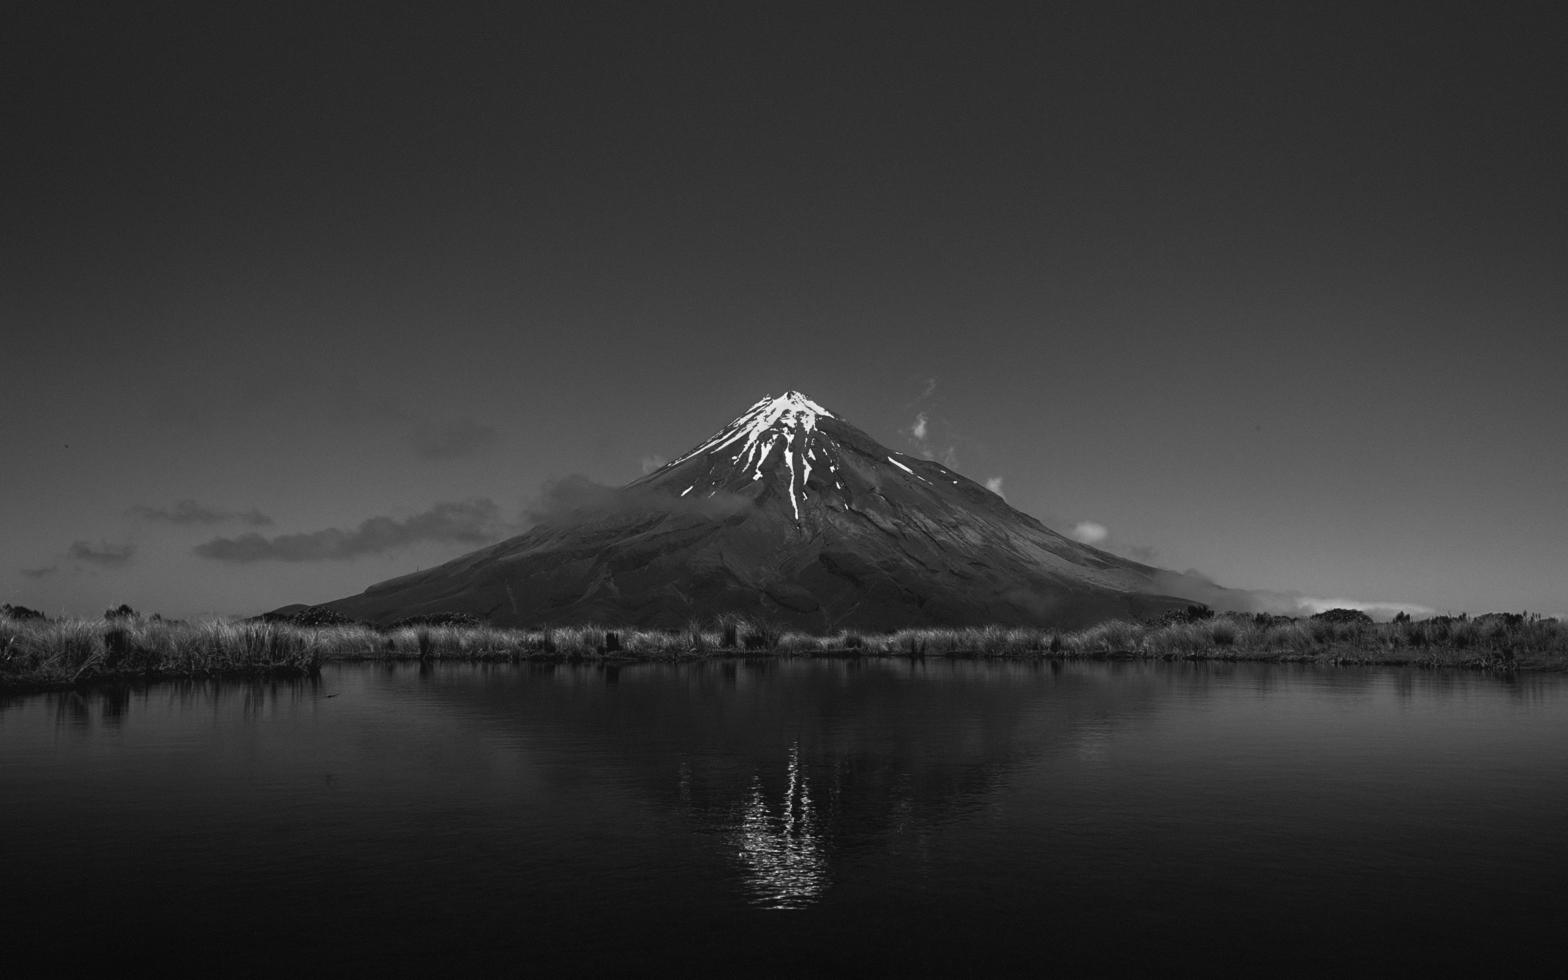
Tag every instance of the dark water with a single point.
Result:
(793, 817)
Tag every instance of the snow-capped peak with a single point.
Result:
(794, 401)
(789, 413)
(786, 420)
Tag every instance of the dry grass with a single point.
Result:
(44, 652)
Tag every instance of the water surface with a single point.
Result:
(779, 817)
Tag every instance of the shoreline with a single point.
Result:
(1444, 660)
(38, 655)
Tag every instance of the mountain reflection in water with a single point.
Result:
(781, 854)
(792, 817)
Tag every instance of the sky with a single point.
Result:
(297, 297)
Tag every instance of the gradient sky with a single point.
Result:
(303, 296)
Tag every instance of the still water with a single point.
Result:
(774, 817)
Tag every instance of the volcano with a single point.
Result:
(792, 515)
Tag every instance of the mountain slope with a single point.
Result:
(790, 513)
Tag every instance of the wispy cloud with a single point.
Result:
(190, 512)
(561, 496)
(1307, 605)
(928, 435)
(994, 484)
(459, 437)
(1096, 534)
(923, 440)
(103, 554)
(475, 522)
(653, 462)
(44, 572)
(1193, 584)
(574, 498)
(1089, 532)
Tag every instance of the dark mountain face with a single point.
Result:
(788, 513)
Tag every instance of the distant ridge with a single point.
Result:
(791, 514)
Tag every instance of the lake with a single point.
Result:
(793, 816)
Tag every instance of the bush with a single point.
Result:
(1192, 614)
(1351, 617)
(1113, 636)
(315, 616)
(729, 636)
(695, 636)
(1223, 632)
(429, 619)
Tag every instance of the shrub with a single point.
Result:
(1354, 617)
(117, 647)
(766, 636)
(1288, 636)
(315, 616)
(729, 631)
(1222, 632)
(1113, 636)
(428, 619)
(1192, 614)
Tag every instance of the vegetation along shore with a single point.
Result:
(38, 652)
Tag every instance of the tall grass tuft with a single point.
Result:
(35, 650)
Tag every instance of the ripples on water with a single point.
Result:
(793, 816)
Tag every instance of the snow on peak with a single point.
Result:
(787, 420)
(776, 438)
(785, 414)
(794, 401)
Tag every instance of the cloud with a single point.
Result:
(40, 572)
(565, 495)
(923, 439)
(190, 512)
(1306, 605)
(1089, 532)
(457, 438)
(928, 434)
(574, 498)
(473, 522)
(1097, 535)
(653, 462)
(994, 484)
(1198, 587)
(106, 555)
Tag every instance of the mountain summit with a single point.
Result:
(792, 514)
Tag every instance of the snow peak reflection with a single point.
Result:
(782, 854)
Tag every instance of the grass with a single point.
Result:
(42, 653)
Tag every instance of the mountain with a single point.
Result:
(792, 514)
